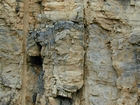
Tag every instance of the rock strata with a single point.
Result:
(69, 52)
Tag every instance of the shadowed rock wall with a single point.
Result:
(69, 52)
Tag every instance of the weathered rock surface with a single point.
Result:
(69, 52)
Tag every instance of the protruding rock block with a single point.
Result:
(62, 48)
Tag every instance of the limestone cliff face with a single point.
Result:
(69, 52)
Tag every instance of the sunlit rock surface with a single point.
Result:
(69, 52)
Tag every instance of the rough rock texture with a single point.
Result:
(69, 52)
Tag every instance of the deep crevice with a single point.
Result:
(65, 100)
(36, 60)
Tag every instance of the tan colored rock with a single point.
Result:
(69, 52)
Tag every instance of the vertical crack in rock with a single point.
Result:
(86, 37)
(38, 90)
(25, 32)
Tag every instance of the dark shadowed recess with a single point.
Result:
(36, 63)
(36, 60)
(65, 100)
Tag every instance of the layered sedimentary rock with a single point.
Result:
(62, 52)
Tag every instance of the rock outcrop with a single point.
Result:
(69, 52)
